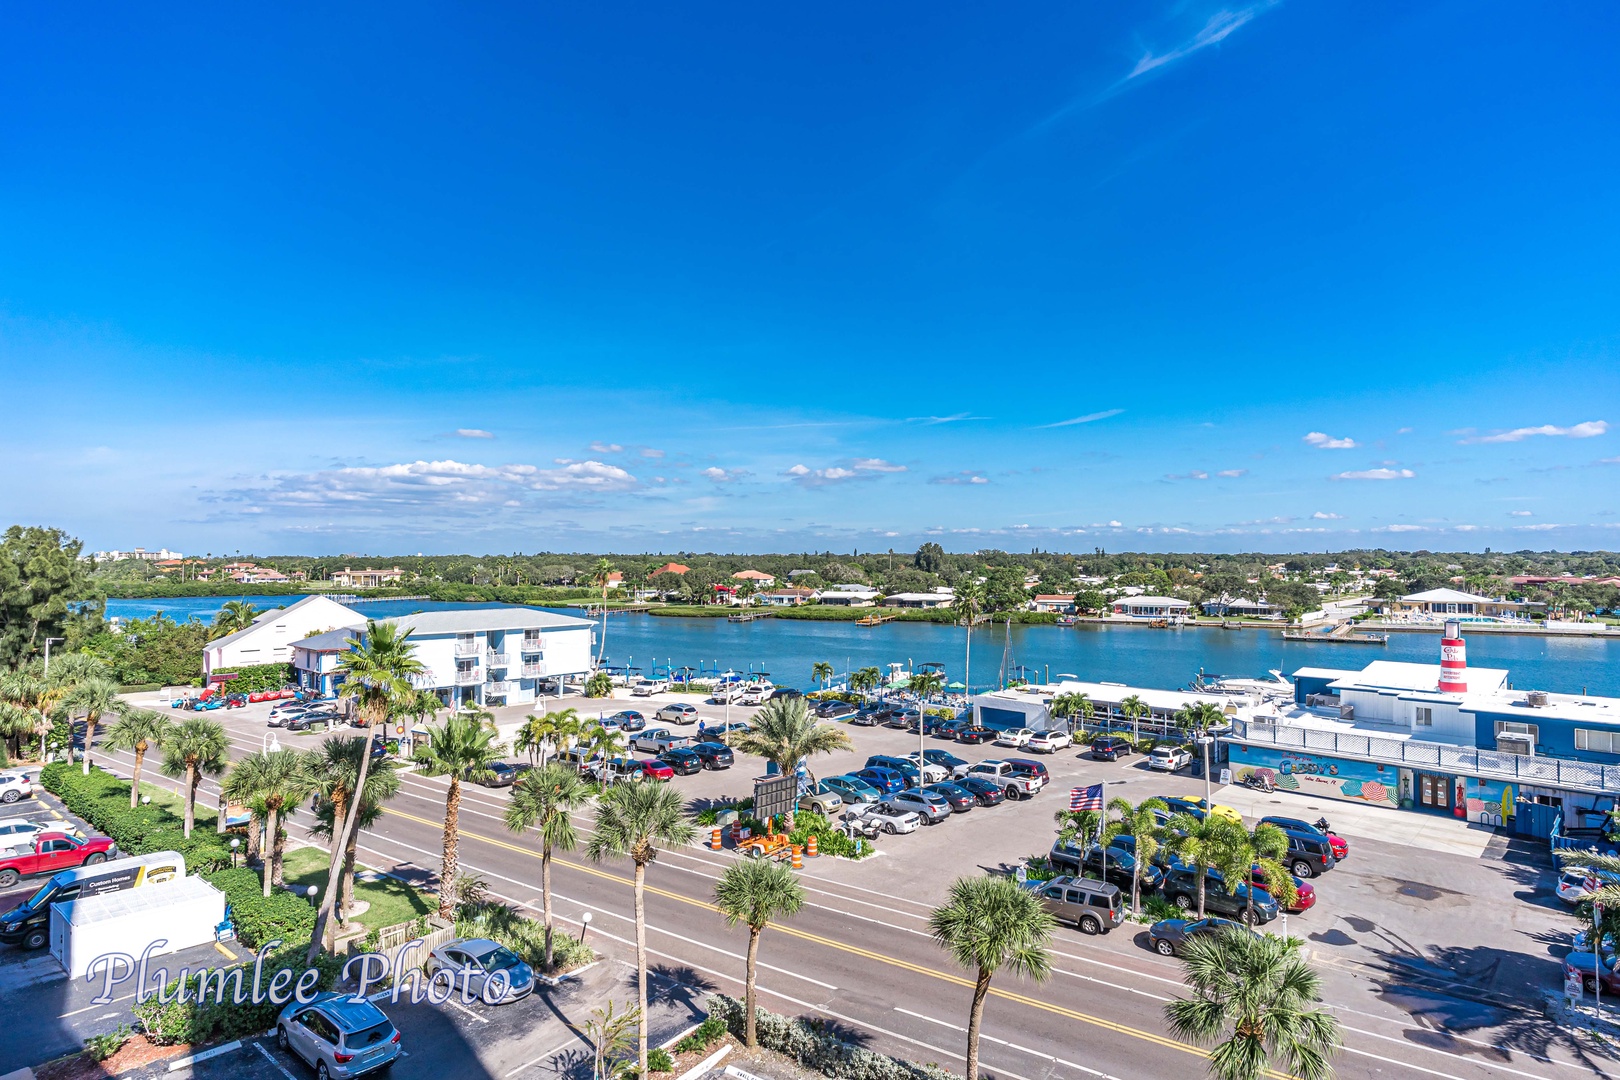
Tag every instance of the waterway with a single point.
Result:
(1139, 655)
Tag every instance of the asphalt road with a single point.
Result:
(858, 955)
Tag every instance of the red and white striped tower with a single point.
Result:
(1453, 660)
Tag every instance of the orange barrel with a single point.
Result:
(810, 847)
(714, 839)
(798, 857)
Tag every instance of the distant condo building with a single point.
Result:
(366, 579)
(138, 555)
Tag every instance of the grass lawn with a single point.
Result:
(391, 901)
(207, 812)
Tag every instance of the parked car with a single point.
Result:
(955, 766)
(236, 701)
(891, 818)
(475, 961)
(1104, 864)
(757, 694)
(906, 767)
(826, 803)
(1049, 742)
(1340, 846)
(649, 687)
(887, 781)
(1577, 883)
(1033, 773)
(677, 712)
(629, 720)
(19, 832)
(781, 693)
(1169, 937)
(1181, 889)
(1169, 758)
(313, 721)
(1304, 892)
(1093, 907)
(714, 755)
(14, 786)
(826, 706)
(1014, 784)
(854, 790)
(1197, 808)
(987, 791)
(338, 1035)
(870, 716)
(836, 710)
(895, 718)
(931, 807)
(947, 729)
(1309, 854)
(975, 736)
(505, 773)
(682, 760)
(649, 769)
(49, 852)
(960, 798)
(1586, 966)
(1109, 748)
(1017, 738)
(657, 740)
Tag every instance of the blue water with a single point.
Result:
(1141, 656)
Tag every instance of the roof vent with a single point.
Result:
(1536, 699)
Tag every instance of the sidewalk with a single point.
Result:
(1431, 832)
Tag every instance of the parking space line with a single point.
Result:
(551, 1053)
(282, 1069)
(469, 1012)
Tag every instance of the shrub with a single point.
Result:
(658, 1060)
(1156, 908)
(257, 677)
(103, 1046)
(102, 800)
(524, 936)
(599, 685)
(261, 918)
(816, 1048)
(193, 1022)
(704, 1036)
(830, 839)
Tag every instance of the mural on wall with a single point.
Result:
(1356, 781)
(1489, 802)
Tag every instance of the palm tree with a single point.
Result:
(1200, 843)
(1133, 709)
(866, 679)
(462, 749)
(281, 780)
(541, 735)
(545, 800)
(1082, 823)
(988, 923)
(1266, 848)
(138, 731)
(926, 683)
(635, 820)
(785, 734)
(1141, 824)
(966, 604)
(821, 672)
(1255, 1001)
(235, 615)
(94, 697)
(194, 748)
(335, 770)
(376, 674)
(600, 573)
(29, 706)
(753, 892)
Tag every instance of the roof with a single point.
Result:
(1054, 596)
(467, 620)
(754, 575)
(331, 641)
(1401, 675)
(274, 613)
(669, 568)
(1158, 600)
(1448, 596)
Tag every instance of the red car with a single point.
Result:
(654, 770)
(1304, 893)
(50, 852)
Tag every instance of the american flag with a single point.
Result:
(1086, 798)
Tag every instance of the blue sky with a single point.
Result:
(418, 278)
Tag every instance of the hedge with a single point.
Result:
(102, 800)
(256, 677)
(815, 1047)
(194, 1023)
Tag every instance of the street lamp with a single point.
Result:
(48, 652)
(584, 926)
(1204, 741)
(146, 800)
(269, 743)
(235, 845)
(312, 892)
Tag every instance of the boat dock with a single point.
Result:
(1339, 635)
(873, 620)
(749, 616)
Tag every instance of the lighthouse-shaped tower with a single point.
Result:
(1453, 660)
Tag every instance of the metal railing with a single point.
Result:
(494, 659)
(468, 676)
(534, 671)
(1492, 764)
(533, 644)
(468, 648)
(498, 686)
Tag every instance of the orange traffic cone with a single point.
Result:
(810, 847)
(714, 838)
(798, 857)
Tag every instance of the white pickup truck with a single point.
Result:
(657, 740)
(649, 687)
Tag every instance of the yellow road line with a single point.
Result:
(1085, 1018)
(224, 950)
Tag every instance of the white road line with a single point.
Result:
(1447, 1053)
(1010, 1045)
(259, 1046)
(1408, 1064)
(548, 1054)
(458, 1005)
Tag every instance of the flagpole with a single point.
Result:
(1102, 826)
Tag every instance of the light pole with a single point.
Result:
(48, 652)
(584, 926)
(235, 845)
(1204, 741)
(269, 743)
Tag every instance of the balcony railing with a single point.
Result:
(534, 671)
(494, 659)
(534, 644)
(499, 686)
(468, 676)
(1491, 764)
(425, 681)
(468, 648)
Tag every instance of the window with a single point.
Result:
(1514, 727)
(1424, 716)
(1599, 742)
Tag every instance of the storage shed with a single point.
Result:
(182, 913)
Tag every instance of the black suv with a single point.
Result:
(1309, 854)
(1181, 889)
(1117, 870)
(682, 760)
(714, 755)
(1109, 748)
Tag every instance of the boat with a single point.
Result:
(1276, 684)
(873, 620)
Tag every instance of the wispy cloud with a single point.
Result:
(1520, 513)
(1194, 475)
(1233, 474)
(1221, 25)
(606, 448)
(858, 469)
(1587, 430)
(1086, 419)
(722, 476)
(967, 476)
(1323, 516)
(956, 418)
(649, 452)
(1401, 528)
(872, 464)
(1376, 474)
(1323, 441)
(472, 433)
(1542, 526)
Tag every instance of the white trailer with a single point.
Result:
(184, 912)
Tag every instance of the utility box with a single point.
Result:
(184, 912)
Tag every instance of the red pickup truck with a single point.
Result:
(53, 851)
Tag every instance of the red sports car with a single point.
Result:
(655, 770)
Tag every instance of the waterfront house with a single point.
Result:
(366, 579)
(1052, 602)
(1150, 607)
(938, 598)
(849, 596)
(1239, 607)
(1437, 605)
(790, 597)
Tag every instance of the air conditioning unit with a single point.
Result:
(1347, 711)
(1536, 699)
(1515, 743)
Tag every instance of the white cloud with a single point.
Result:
(1376, 474)
(1466, 528)
(967, 476)
(722, 476)
(1321, 516)
(649, 452)
(606, 448)
(1520, 513)
(1540, 526)
(1220, 26)
(1323, 441)
(1194, 475)
(1086, 419)
(1587, 430)
(873, 464)
(1233, 474)
(1400, 528)
(473, 433)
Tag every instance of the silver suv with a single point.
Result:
(1094, 907)
(931, 806)
(677, 712)
(338, 1035)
